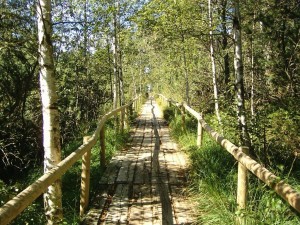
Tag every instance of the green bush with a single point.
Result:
(169, 113)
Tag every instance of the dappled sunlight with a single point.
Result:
(146, 182)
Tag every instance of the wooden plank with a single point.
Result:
(142, 175)
(156, 206)
(118, 206)
(146, 204)
(183, 208)
(124, 204)
(123, 172)
(92, 218)
(94, 214)
(138, 177)
(136, 211)
(112, 171)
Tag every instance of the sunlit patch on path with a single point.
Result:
(146, 182)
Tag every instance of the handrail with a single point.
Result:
(279, 186)
(16, 205)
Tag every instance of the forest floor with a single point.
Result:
(146, 182)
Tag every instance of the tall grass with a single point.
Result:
(213, 179)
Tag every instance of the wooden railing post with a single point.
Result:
(122, 122)
(199, 133)
(85, 179)
(242, 187)
(126, 112)
(135, 105)
(102, 147)
(175, 112)
(139, 102)
(183, 118)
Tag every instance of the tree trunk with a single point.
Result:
(225, 44)
(252, 70)
(116, 82)
(186, 73)
(51, 130)
(121, 88)
(239, 76)
(119, 63)
(110, 70)
(115, 62)
(213, 65)
(87, 78)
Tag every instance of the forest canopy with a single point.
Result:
(106, 52)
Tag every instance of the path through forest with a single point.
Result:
(145, 183)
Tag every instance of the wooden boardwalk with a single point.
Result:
(146, 182)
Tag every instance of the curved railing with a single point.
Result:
(15, 206)
(246, 162)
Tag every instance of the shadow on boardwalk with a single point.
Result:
(146, 182)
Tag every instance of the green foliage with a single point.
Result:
(186, 138)
(20, 133)
(169, 113)
(213, 178)
(283, 136)
(71, 180)
(163, 43)
(34, 214)
(6, 192)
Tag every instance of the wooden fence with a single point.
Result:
(15, 206)
(245, 162)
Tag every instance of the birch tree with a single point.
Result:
(213, 64)
(51, 130)
(239, 75)
(115, 58)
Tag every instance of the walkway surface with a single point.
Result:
(146, 182)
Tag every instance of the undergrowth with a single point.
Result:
(213, 179)
(34, 214)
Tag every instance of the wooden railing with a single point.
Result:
(15, 206)
(245, 162)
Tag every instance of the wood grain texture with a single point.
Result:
(148, 178)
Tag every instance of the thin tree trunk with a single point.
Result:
(115, 62)
(85, 41)
(119, 52)
(85, 66)
(225, 44)
(252, 71)
(239, 76)
(186, 73)
(51, 129)
(185, 67)
(213, 65)
(110, 71)
(122, 96)
(140, 75)
(116, 83)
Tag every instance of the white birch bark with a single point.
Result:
(239, 75)
(116, 80)
(252, 78)
(213, 64)
(51, 130)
